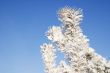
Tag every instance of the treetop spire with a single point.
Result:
(70, 16)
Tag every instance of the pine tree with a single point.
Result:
(70, 40)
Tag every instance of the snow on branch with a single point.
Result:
(70, 40)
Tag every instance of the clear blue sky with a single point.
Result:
(24, 22)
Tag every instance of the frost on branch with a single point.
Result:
(70, 40)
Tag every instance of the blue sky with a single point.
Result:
(24, 22)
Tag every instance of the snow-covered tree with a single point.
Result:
(70, 40)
